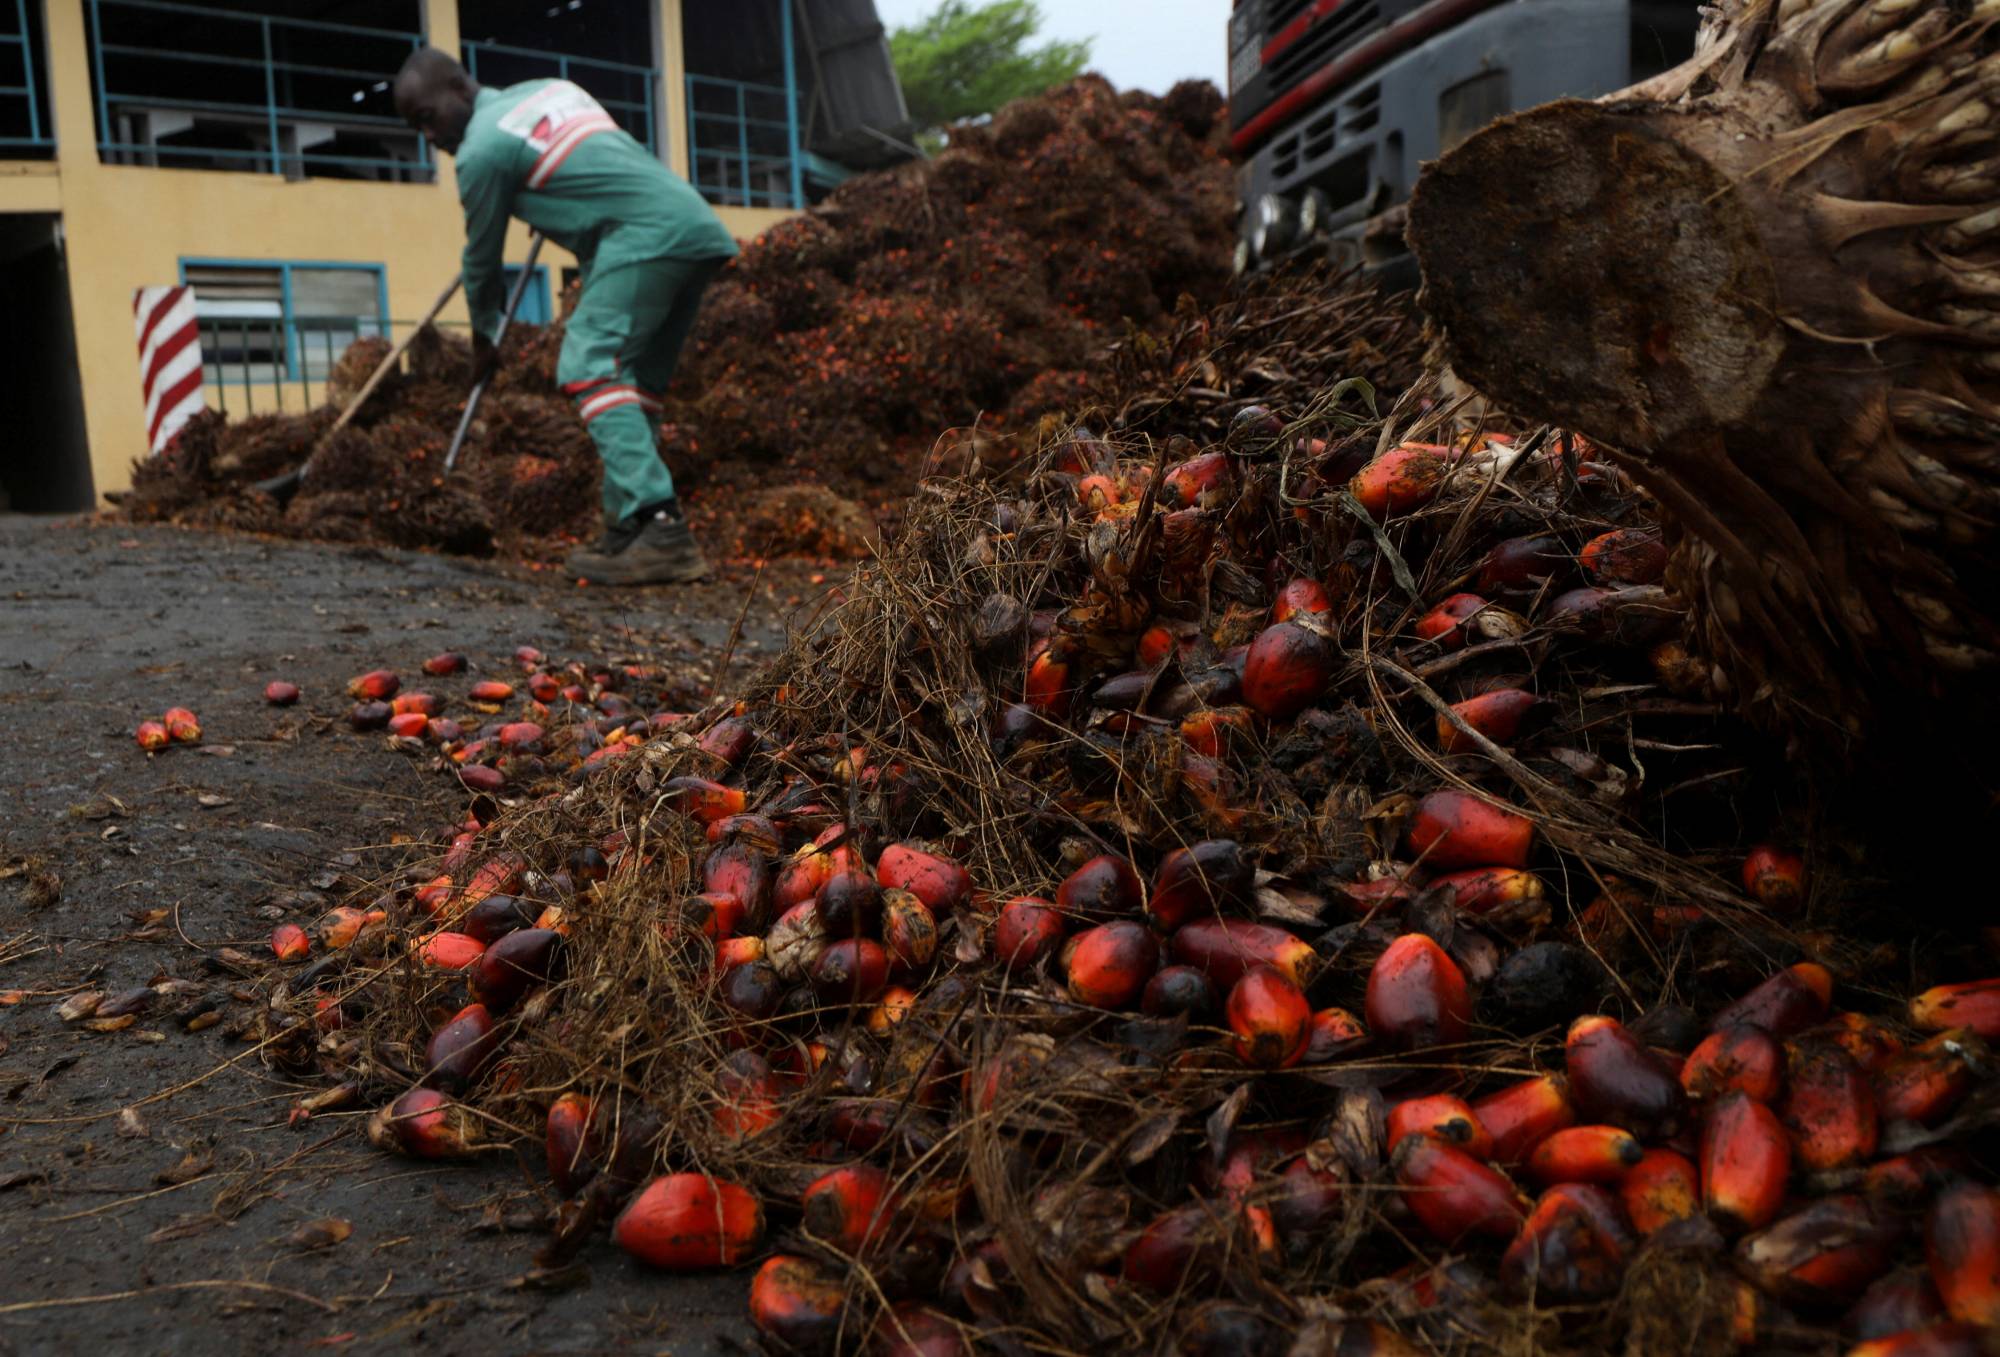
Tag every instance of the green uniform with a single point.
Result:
(548, 153)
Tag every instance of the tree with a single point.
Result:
(967, 59)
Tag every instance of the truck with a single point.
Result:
(1335, 105)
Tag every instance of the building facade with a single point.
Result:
(251, 153)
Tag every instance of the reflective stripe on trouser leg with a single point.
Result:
(622, 428)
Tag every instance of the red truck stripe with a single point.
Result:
(1296, 29)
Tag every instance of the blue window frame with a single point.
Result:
(265, 322)
(535, 309)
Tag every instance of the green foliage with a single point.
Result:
(966, 59)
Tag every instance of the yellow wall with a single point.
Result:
(128, 227)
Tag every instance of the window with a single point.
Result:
(266, 324)
(535, 301)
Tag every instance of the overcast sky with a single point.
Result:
(1139, 44)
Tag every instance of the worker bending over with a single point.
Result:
(548, 153)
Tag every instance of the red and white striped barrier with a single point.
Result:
(169, 359)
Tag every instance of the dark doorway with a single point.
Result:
(45, 458)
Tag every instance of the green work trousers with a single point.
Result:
(619, 351)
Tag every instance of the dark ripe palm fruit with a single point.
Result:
(1106, 887)
(1223, 949)
(740, 869)
(1962, 1246)
(570, 1142)
(1821, 1256)
(1269, 1019)
(850, 904)
(1585, 1154)
(588, 863)
(1615, 1079)
(1663, 1187)
(1522, 1115)
(728, 740)
(690, 1220)
(1790, 1001)
(1025, 931)
(1200, 880)
(1625, 556)
(426, 1124)
(477, 777)
(1122, 692)
(1225, 1329)
(1543, 984)
(280, 693)
(939, 882)
(909, 1330)
(1775, 878)
(369, 715)
(1973, 1003)
(496, 916)
(1926, 1083)
(1454, 830)
(1334, 1032)
(1949, 1339)
(1499, 715)
(459, 1049)
(1444, 1115)
(1912, 1179)
(1109, 965)
(1300, 596)
(851, 971)
(1288, 669)
(1445, 624)
(1745, 1159)
(1307, 1201)
(1453, 1195)
(1417, 996)
(515, 963)
(1737, 1058)
(753, 990)
(847, 1208)
(1828, 1108)
(1175, 991)
(1669, 1029)
(909, 931)
(1523, 563)
(438, 666)
(1572, 1247)
(1899, 1300)
(377, 685)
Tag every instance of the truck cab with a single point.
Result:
(1335, 105)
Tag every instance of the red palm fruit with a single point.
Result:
(1453, 1195)
(1269, 1018)
(1950, 1339)
(290, 942)
(1288, 668)
(1180, 1242)
(1445, 623)
(1417, 996)
(1661, 1188)
(715, 915)
(515, 964)
(477, 777)
(498, 875)
(1162, 639)
(1106, 887)
(1214, 731)
(343, 923)
(369, 715)
(1790, 1001)
(1585, 1154)
(182, 725)
(1307, 1201)
(1048, 687)
(938, 882)
(1745, 1159)
(1822, 1255)
(1026, 930)
(1300, 596)
(690, 1220)
(1223, 949)
(1974, 1004)
(1109, 965)
(457, 1050)
(427, 1124)
(422, 703)
(1521, 1116)
(895, 1004)
(280, 693)
(152, 735)
(747, 1096)
(802, 876)
(1625, 556)
(490, 692)
(1454, 829)
(909, 1330)
(377, 685)
(795, 941)
(1198, 881)
(738, 951)
(1871, 1044)
(1962, 1246)
(1404, 478)
(520, 735)
(847, 1208)
(758, 831)
(528, 656)
(451, 662)
(851, 971)
(1444, 1115)
(1333, 1033)
(1927, 1082)
(1909, 1179)
(850, 904)
(1175, 991)
(434, 894)
(1829, 1108)
(1187, 482)
(1497, 715)
(410, 725)
(1508, 892)
(1735, 1058)
(1903, 1299)
(796, 1303)
(544, 688)
(570, 1143)
(1615, 1079)
(706, 801)
(1775, 878)
(909, 931)
(1572, 1247)
(1098, 492)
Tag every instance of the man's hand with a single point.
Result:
(485, 359)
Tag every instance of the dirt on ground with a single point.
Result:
(153, 1196)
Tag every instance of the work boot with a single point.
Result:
(660, 550)
(618, 534)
